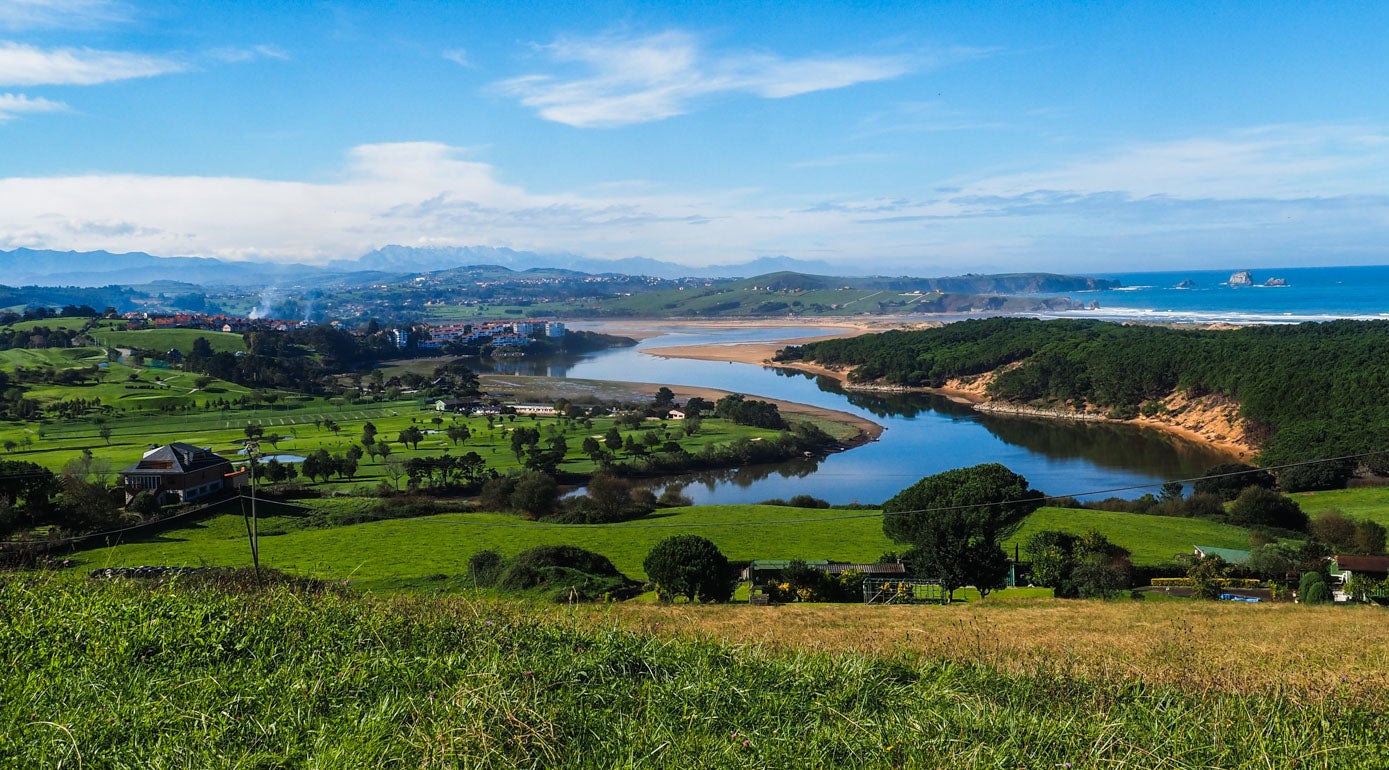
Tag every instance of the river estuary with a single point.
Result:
(924, 434)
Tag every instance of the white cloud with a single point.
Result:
(252, 53)
(1061, 218)
(34, 14)
(625, 80)
(1263, 162)
(18, 104)
(458, 56)
(26, 65)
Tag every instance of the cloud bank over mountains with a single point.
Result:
(1263, 188)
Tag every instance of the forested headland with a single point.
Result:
(1305, 391)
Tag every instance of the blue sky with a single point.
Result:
(920, 137)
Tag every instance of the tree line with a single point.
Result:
(1305, 390)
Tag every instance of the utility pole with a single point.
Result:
(252, 526)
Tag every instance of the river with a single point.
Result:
(924, 434)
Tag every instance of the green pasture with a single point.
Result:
(301, 430)
(405, 552)
(465, 313)
(1150, 539)
(734, 302)
(169, 339)
(1360, 503)
(404, 549)
(71, 323)
(58, 358)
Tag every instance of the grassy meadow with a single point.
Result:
(431, 552)
(302, 430)
(168, 339)
(1360, 503)
(122, 675)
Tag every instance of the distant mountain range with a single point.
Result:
(412, 259)
(38, 267)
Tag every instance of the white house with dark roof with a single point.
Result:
(177, 473)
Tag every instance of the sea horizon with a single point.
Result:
(1359, 292)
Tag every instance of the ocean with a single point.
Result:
(1310, 294)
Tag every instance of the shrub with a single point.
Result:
(1086, 566)
(1229, 480)
(689, 566)
(144, 504)
(799, 501)
(1207, 577)
(1222, 582)
(536, 494)
(1316, 476)
(1095, 579)
(1203, 506)
(1050, 553)
(1335, 529)
(570, 572)
(1259, 507)
(1272, 561)
(1318, 593)
(1361, 588)
(567, 556)
(1312, 588)
(496, 493)
(609, 499)
(485, 567)
(1369, 537)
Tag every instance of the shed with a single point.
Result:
(1373, 567)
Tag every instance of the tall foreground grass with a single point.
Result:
(113, 675)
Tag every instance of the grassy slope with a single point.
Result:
(413, 548)
(124, 676)
(1364, 503)
(395, 552)
(59, 358)
(1150, 539)
(70, 323)
(168, 339)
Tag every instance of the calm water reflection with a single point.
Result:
(924, 434)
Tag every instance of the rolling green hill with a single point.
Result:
(782, 294)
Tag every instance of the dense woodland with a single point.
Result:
(1311, 390)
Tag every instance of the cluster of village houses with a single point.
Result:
(213, 323)
(431, 337)
(495, 333)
